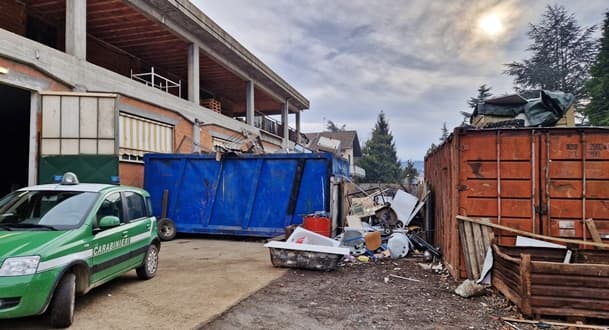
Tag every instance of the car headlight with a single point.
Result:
(19, 266)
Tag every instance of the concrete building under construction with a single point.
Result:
(97, 83)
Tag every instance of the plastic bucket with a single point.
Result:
(317, 224)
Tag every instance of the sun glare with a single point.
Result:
(491, 25)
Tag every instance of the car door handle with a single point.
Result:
(125, 233)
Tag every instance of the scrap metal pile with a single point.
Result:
(378, 226)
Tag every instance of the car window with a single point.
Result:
(58, 209)
(149, 206)
(112, 205)
(136, 206)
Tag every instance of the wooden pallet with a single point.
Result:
(475, 240)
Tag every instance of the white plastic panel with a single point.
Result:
(70, 124)
(78, 123)
(88, 117)
(51, 116)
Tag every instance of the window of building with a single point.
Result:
(139, 136)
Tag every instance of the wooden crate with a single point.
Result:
(541, 284)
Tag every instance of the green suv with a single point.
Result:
(61, 240)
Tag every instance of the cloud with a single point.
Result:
(418, 61)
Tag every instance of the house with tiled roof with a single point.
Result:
(342, 143)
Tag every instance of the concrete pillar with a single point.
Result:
(284, 121)
(249, 103)
(193, 74)
(298, 127)
(35, 103)
(76, 28)
(196, 136)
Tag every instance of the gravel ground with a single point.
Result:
(367, 296)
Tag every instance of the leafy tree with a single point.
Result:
(332, 127)
(483, 94)
(379, 157)
(410, 172)
(597, 110)
(562, 54)
(445, 133)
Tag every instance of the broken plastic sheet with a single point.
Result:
(531, 242)
(548, 108)
(544, 110)
(403, 204)
(485, 274)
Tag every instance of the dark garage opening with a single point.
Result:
(15, 134)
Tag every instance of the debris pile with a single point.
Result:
(378, 226)
(533, 108)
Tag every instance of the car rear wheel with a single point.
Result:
(167, 229)
(151, 264)
(62, 306)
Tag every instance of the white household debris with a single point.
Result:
(353, 239)
(403, 204)
(406, 206)
(308, 250)
(398, 245)
(306, 240)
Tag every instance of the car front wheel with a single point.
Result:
(62, 306)
(151, 263)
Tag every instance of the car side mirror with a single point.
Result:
(109, 221)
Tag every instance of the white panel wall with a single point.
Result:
(78, 123)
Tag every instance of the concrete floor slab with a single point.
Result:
(197, 279)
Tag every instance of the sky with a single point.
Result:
(418, 61)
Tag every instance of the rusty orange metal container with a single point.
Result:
(541, 180)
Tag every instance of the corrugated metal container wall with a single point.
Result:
(249, 195)
(440, 174)
(528, 179)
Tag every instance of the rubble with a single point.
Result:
(470, 288)
(379, 227)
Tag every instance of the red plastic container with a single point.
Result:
(317, 224)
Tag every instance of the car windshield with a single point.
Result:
(44, 210)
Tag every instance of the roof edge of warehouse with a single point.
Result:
(193, 20)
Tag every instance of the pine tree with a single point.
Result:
(597, 110)
(410, 172)
(562, 54)
(445, 133)
(332, 127)
(483, 93)
(379, 157)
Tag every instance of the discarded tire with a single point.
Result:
(167, 229)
